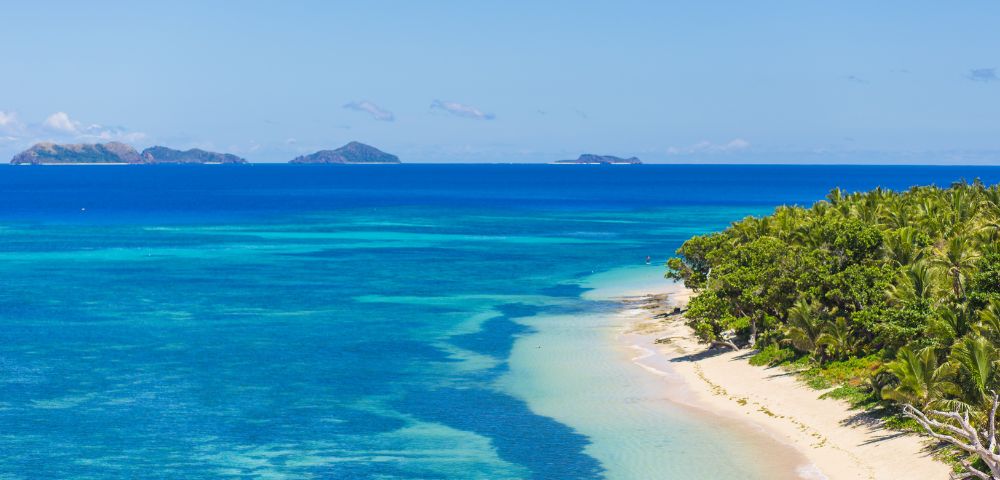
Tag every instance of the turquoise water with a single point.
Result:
(296, 322)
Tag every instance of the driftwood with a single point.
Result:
(954, 428)
(725, 343)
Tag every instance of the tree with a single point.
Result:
(955, 428)
(989, 321)
(922, 380)
(951, 323)
(913, 277)
(984, 283)
(905, 246)
(978, 363)
(694, 264)
(956, 260)
(838, 340)
(914, 283)
(805, 327)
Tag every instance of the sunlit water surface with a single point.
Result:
(353, 322)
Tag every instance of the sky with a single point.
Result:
(511, 81)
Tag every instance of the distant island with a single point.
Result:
(591, 159)
(352, 153)
(115, 153)
(194, 155)
(82, 153)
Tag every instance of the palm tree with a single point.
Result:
(953, 322)
(786, 221)
(989, 321)
(809, 237)
(916, 282)
(933, 243)
(870, 208)
(904, 246)
(922, 380)
(805, 326)
(963, 207)
(838, 339)
(898, 216)
(976, 358)
(835, 196)
(930, 217)
(988, 230)
(956, 259)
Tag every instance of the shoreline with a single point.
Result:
(839, 443)
(571, 369)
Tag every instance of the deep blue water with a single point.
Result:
(280, 321)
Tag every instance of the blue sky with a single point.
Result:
(684, 82)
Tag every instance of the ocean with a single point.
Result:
(389, 321)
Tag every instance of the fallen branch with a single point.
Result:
(724, 343)
(955, 429)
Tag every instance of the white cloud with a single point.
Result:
(8, 119)
(377, 112)
(17, 134)
(462, 110)
(60, 122)
(11, 129)
(733, 145)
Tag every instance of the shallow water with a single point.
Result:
(373, 322)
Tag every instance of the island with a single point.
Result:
(352, 153)
(74, 154)
(115, 153)
(195, 155)
(591, 159)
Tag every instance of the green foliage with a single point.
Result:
(899, 422)
(923, 380)
(693, 268)
(985, 283)
(853, 372)
(772, 355)
(858, 397)
(892, 328)
(804, 326)
(838, 340)
(978, 364)
(893, 295)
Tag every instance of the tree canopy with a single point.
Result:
(910, 280)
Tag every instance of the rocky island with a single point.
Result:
(352, 153)
(591, 159)
(82, 153)
(114, 153)
(194, 155)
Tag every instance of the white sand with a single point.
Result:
(571, 369)
(841, 443)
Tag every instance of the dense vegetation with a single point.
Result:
(895, 294)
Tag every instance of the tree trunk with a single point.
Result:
(725, 343)
(956, 283)
(955, 429)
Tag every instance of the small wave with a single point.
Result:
(646, 353)
(810, 472)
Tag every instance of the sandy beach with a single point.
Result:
(839, 442)
(570, 368)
